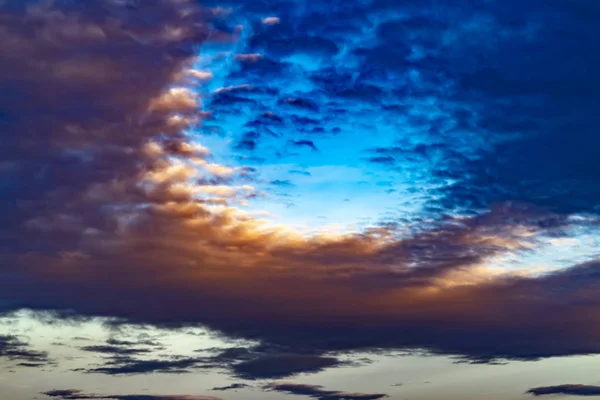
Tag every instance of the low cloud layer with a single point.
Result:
(73, 394)
(569, 390)
(318, 392)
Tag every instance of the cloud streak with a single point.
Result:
(15, 349)
(73, 394)
(319, 393)
(572, 390)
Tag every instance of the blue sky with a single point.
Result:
(350, 200)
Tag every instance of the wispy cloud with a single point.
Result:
(15, 349)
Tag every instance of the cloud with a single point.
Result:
(130, 366)
(233, 386)
(103, 214)
(299, 172)
(382, 160)
(13, 348)
(486, 104)
(571, 390)
(318, 392)
(271, 21)
(73, 394)
(246, 144)
(304, 143)
(282, 183)
(107, 349)
(252, 58)
(140, 341)
(301, 103)
(175, 100)
(64, 393)
(201, 76)
(254, 362)
(121, 349)
(283, 365)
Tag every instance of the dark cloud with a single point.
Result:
(130, 366)
(282, 183)
(64, 393)
(13, 348)
(255, 362)
(270, 362)
(73, 394)
(570, 390)
(299, 172)
(283, 365)
(142, 341)
(312, 45)
(31, 364)
(382, 160)
(318, 392)
(249, 140)
(300, 103)
(115, 350)
(537, 114)
(233, 386)
(62, 152)
(304, 143)
(116, 347)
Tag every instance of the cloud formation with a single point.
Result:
(283, 365)
(571, 390)
(111, 210)
(233, 386)
(15, 349)
(130, 366)
(73, 394)
(318, 392)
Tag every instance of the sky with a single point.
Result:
(280, 199)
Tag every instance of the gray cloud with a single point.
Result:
(73, 394)
(318, 392)
(13, 348)
(571, 390)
